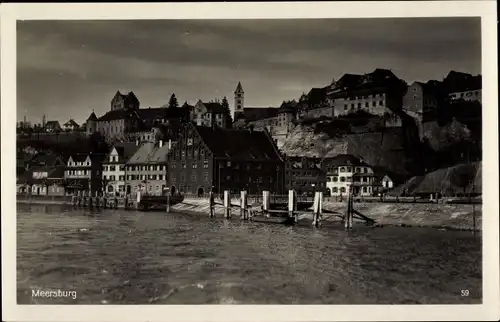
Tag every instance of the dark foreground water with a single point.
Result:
(120, 257)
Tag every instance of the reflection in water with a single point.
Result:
(120, 257)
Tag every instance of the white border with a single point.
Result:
(490, 308)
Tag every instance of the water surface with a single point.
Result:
(129, 257)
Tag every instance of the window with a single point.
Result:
(342, 179)
(414, 97)
(173, 178)
(112, 168)
(342, 189)
(359, 105)
(195, 165)
(160, 177)
(150, 188)
(193, 177)
(352, 105)
(335, 179)
(335, 190)
(184, 165)
(205, 164)
(349, 169)
(345, 107)
(364, 189)
(205, 176)
(381, 103)
(366, 104)
(328, 179)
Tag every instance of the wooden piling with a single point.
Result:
(291, 203)
(348, 218)
(227, 204)
(168, 203)
(317, 208)
(212, 204)
(243, 206)
(138, 201)
(265, 202)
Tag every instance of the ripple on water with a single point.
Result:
(139, 258)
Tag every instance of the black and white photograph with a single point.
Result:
(250, 161)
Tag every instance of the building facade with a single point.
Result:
(463, 86)
(113, 168)
(84, 173)
(304, 175)
(345, 171)
(210, 114)
(207, 158)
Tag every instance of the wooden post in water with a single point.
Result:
(227, 204)
(138, 199)
(167, 207)
(266, 202)
(243, 205)
(317, 208)
(291, 203)
(349, 212)
(211, 198)
(90, 199)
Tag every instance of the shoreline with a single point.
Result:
(439, 216)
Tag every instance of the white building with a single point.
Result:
(345, 171)
(114, 167)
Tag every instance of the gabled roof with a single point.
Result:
(53, 174)
(259, 113)
(239, 144)
(80, 157)
(45, 159)
(52, 124)
(118, 115)
(163, 113)
(71, 122)
(216, 108)
(344, 160)
(92, 117)
(142, 153)
(159, 154)
(125, 151)
(461, 82)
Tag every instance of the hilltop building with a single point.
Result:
(464, 86)
(71, 125)
(210, 114)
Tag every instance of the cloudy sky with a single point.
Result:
(66, 69)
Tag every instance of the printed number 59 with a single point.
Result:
(464, 292)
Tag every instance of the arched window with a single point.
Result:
(335, 189)
(335, 179)
(341, 169)
(328, 179)
(342, 179)
(349, 169)
(342, 189)
(110, 188)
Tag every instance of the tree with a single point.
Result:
(172, 103)
(225, 105)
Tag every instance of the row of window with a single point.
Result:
(465, 94)
(349, 169)
(347, 179)
(79, 164)
(146, 177)
(364, 97)
(113, 168)
(194, 165)
(343, 189)
(77, 172)
(113, 178)
(146, 168)
(374, 104)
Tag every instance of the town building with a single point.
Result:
(210, 114)
(43, 180)
(52, 126)
(146, 170)
(84, 173)
(344, 171)
(379, 93)
(278, 121)
(211, 158)
(42, 159)
(304, 175)
(71, 125)
(113, 167)
(463, 86)
(125, 118)
(315, 105)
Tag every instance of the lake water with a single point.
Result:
(129, 257)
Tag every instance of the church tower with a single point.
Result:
(238, 101)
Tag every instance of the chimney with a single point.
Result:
(160, 143)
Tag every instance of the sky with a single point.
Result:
(66, 69)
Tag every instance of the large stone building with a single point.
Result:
(210, 114)
(211, 158)
(463, 86)
(125, 118)
(344, 171)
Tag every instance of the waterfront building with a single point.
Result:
(146, 170)
(113, 168)
(42, 180)
(43, 158)
(206, 158)
(344, 171)
(84, 173)
(304, 175)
